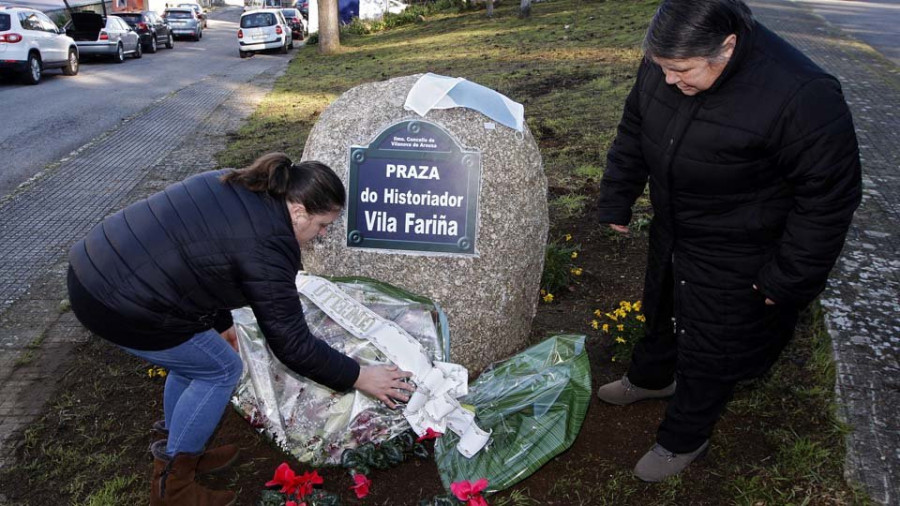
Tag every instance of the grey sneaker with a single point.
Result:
(622, 392)
(659, 463)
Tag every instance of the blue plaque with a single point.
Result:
(414, 188)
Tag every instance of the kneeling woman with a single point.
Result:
(160, 277)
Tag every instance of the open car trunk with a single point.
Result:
(86, 26)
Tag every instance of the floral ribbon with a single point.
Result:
(433, 404)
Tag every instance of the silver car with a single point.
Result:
(97, 35)
(184, 22)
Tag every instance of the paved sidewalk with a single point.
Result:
(863, 297)
(168, 141)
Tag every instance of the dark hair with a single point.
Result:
(695, 28)
(312, 184)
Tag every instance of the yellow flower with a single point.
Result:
(637, 306)
(620, 328)
(576, 271)
(640, 318)
(606, 328)
(620, 313)
(548, 298)
(150, 372)
(598, 313)
(614, 358)
(595, 324)
(612, 317)
(543, 292)
(162, 373)
(620, 340)
(625, 305)
(568, 237)
(574, 254)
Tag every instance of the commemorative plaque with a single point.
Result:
(414, 188)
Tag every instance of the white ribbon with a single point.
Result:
(433, 405)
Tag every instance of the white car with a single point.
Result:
(264, 29)
(30, 42)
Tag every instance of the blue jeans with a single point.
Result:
(203, 372)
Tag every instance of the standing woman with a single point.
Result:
(754, 174)
(160, 277)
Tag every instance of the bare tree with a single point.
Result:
(329, 31)
(525, 9)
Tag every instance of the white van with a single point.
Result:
(250, 5)
(262, 29)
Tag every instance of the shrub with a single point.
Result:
(624, 326)
(559, 268)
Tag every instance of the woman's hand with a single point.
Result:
(622, 229)
(385, 383)
(230, 335)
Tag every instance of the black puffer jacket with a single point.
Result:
(174, 264)
(753, 181)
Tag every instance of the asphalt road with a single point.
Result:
(875, 22)
(42, 124)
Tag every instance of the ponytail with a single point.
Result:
(312, 184)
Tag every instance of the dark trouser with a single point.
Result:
(697, 404)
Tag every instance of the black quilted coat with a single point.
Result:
(174, 264)
(753, 181)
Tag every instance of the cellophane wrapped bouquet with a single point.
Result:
(310, 421)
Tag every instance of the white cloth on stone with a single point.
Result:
(433, 91)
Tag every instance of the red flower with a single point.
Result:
(470, 492)
(304, 483)
(292, 503)
(362, 485)
(284, 477)
(429, 434)
(292, 484)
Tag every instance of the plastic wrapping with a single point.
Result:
(310, 421)
(533, 402)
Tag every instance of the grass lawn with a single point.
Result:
(571, 64)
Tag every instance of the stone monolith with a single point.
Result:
(481, 263)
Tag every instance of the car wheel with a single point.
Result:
(198, 36)
(34, 71)
(284, 47)
(120, 54)
(291, 45)
(71, 67)
(138, 51)
(153, 45)
(170, 42)
(243, 54)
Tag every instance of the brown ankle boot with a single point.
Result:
(215, 459)
(173, 482)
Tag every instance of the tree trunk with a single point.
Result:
(525, 9)
(329, 31)
(489, 4)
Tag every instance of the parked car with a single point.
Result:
(263, 29)
(151, 28)
(303, 7)
(30, 43)
(96, 35)
(296, 22)
(201, 12)
(250, 5)
(183, 21)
